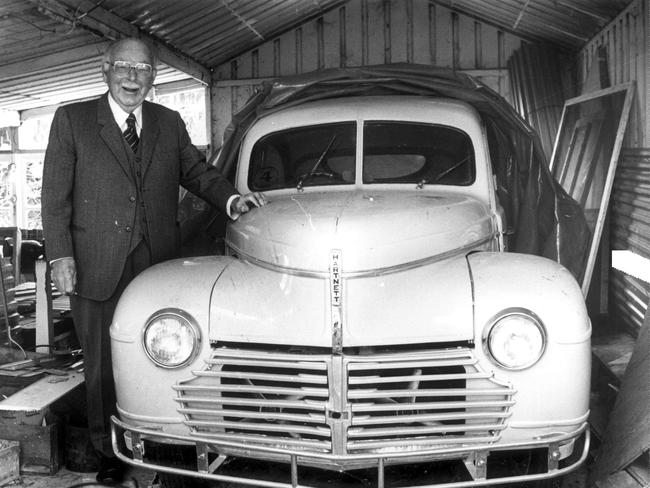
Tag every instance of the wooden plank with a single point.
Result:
(618, 480)
(490, 47)
(13, 366)
(374, 42)
(222, 114)
(628, 431)
(609, 181)
(444, 45)
(320, 43)
(401, 34)
(421, 32)
(265, 60)
(40, 394)
(354, 34)
(614, 103)
(298, 42)
(288, 54)
(332, 39)
(309, 52)
(614, 352)
(20, 379)
(44, 323)
(640, 469)
(467, 45)
(245, 65)
(433, 34)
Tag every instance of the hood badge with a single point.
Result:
(336, 298)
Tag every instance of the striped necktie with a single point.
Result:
(130, 134)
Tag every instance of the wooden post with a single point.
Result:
(18, 244)
(44, 325)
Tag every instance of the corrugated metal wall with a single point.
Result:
(368, 32)
(540, 83)
(630, 230)
(627, 48)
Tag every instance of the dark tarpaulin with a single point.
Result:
(542, 219)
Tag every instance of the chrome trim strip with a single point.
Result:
(305, 273)
(264, 402)
(336, 301)
(433, 406)
(255, 389)
(541, 425)
(149, 418)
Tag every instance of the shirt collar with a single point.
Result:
(120, 115)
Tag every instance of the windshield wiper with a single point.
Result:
(453, 168)
(313, 171)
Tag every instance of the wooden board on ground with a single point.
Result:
(627, 436)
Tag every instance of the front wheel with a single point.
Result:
(522, 463)
(178, 457)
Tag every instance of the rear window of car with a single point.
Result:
(406, 152)
(394, 152)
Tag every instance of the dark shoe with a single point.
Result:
(111, 471)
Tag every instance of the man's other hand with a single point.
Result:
(245, 202)
(64, 275)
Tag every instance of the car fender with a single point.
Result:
(184, 284)
(556, 388)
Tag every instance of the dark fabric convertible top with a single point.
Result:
(541, 218)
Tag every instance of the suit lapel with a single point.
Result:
(110, 133)
(148, 136)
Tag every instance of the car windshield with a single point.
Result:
(394, 152)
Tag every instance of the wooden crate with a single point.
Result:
(41, 446)
(9, 461)
(26, 417)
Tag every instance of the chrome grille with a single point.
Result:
(427, 399)
(346, 404)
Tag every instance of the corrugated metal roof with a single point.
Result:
(50, 49)
(566, 23)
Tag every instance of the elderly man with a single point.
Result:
(111, 177)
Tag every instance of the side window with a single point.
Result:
(405, 152)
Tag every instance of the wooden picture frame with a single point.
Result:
(585, 157)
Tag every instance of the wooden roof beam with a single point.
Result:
(91, 17)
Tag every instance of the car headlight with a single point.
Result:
(171, 338)
(515, 338)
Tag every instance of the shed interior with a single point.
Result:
(213, 54)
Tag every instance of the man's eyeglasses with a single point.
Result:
(123, 68)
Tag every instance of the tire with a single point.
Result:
(178, 457)
(534, 461)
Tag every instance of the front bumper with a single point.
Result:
(129, 444)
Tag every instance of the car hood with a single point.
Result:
(375, 230)
(400, 263)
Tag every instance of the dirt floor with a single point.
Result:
(135, 478)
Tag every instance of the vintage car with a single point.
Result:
(369, 321)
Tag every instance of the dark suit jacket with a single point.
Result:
(88, 205)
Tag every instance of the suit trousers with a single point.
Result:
(92, 320)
